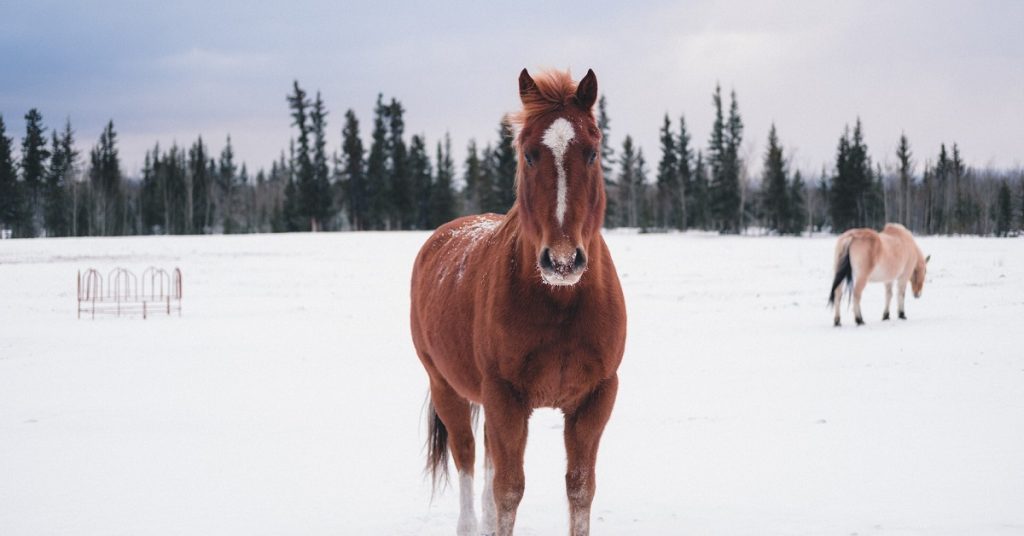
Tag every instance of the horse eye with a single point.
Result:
(591, 156)
(531, 157)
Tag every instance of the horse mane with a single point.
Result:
(555, 90)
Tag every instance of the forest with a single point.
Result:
(404, 182)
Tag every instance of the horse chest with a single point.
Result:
(561, 364)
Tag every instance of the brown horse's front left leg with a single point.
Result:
(505, 426)
(583, 429)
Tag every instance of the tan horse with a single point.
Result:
(864, 255)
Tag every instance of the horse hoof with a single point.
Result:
(860, 321)
(903, 316)
(837, 323)
(885, 317)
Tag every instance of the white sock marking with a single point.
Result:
(557, 138)
(467, 516)
(488, 511)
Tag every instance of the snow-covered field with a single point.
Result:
(288, 400)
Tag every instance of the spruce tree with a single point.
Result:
(152, 195)
(685, 155)
(105, 180)
(354, 173)
(227, 184)
(377, 191)
(798, 214)
(730, 194)
(904, 155)
(59, 179)
(399, 181)
(474, 180)
(34, 156)
(1004, 210)
(668, 179)
(724, 161)
(628, 185)
(442, 191)
(197, 189)
(854, 195)
(421, 175)
(504, 167)
(304, 191)
(700, 212)
(320, 195)
(645, 210)
(774, 186)
(611, 213)
(10, 191)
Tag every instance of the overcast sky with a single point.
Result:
(169, 71)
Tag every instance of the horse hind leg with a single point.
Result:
(488, 510)
(456, 417)
(888, 299)
(901, 294)
(837, 298)
(858, 291)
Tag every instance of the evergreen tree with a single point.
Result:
(420, 173)
(853, 194)
(105, 180)
(58, 183)
(645, 210)
(488, 179)
(354, 173)
(227, 180)
(611, 214)
(399, 181)
(304, 192)
(34, 156)
(504, 167)
(798, 214)
(685, 155)
(474, 180)
(197, 189)
(701, 214)
(668, 180)
(904, 155)
(629, 185)
(442, 191)
(10, 191)
(723, 158)
(320, 195)
(376, 170)
(1004, 210)
(774, 186)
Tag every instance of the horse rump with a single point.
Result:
(843, 272)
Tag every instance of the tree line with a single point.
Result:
(400, 182)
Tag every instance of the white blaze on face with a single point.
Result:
(557, 138)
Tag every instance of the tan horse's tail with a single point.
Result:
(844, 271)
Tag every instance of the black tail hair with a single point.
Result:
(437, 449)
(845, 271)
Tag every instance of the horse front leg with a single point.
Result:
(583, 429)
(901, 294)
(505, 427)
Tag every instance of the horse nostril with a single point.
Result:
(545, 260)
(581, 259)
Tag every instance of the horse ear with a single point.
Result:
(586, 91)
(527, 86)
(928, 258)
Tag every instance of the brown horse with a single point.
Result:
(524, 311)
(864, 255)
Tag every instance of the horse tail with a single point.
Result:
(844, 271)
(437, 448)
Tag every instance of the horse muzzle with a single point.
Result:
(562, 268)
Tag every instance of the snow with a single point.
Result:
(287, 398)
